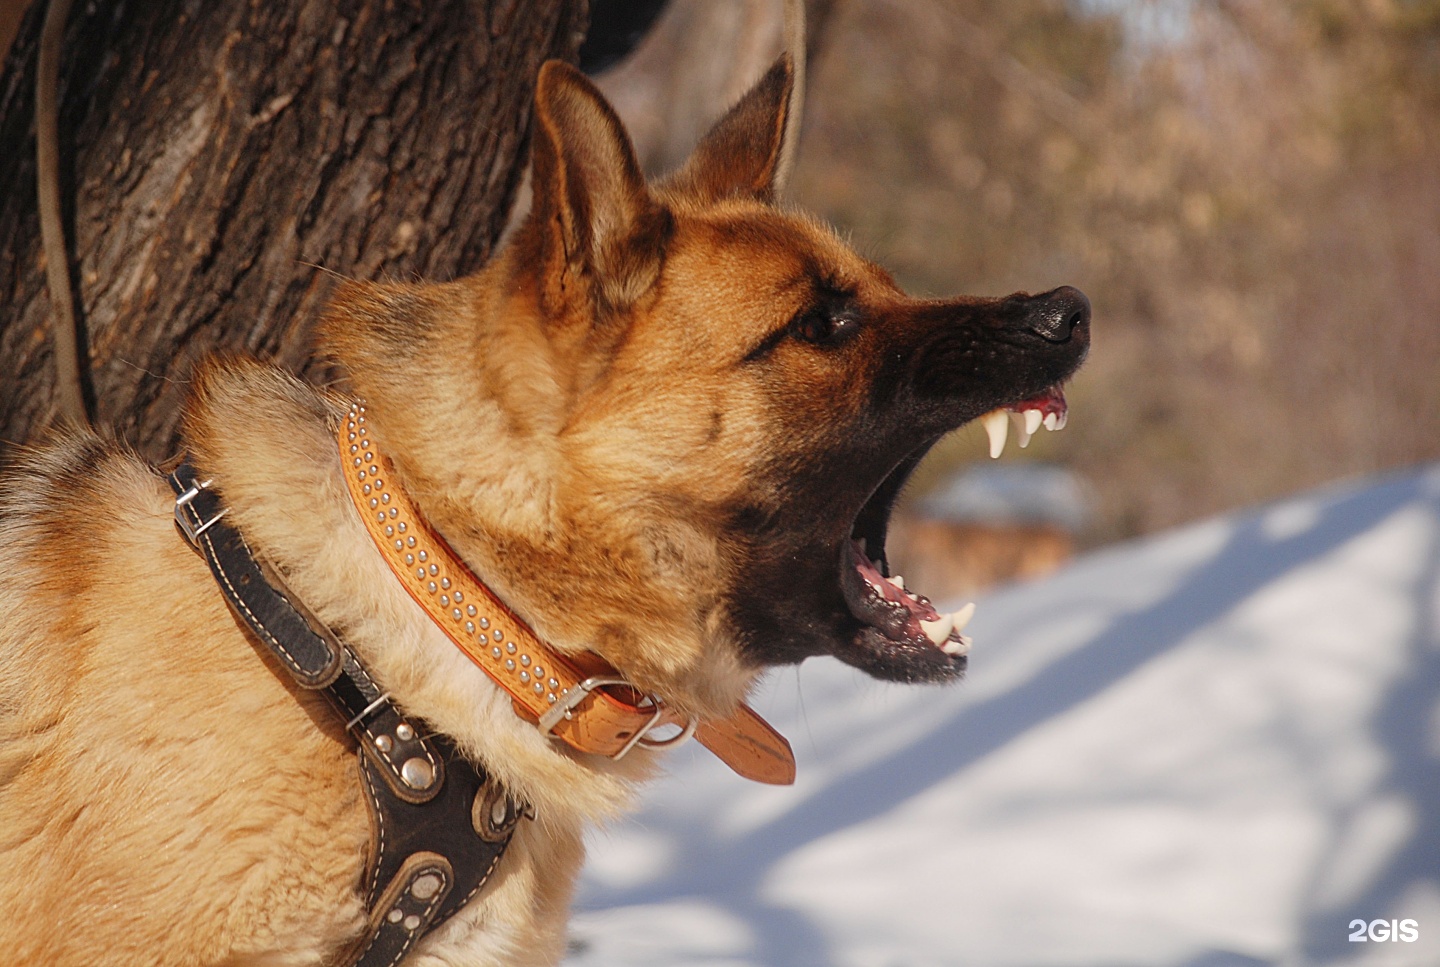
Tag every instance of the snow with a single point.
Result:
(1212, 748)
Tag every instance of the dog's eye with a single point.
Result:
(824, 326)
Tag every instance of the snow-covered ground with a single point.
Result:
(1213, 748)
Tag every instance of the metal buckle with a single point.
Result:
(192, 531)
(571, 699)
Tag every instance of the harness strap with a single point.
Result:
(439, 824)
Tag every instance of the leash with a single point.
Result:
(439, 823)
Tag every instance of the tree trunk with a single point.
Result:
(223, 161)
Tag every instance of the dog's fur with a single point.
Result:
(650, 424)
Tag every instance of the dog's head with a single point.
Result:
(668, 422)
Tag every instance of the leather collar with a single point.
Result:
(580, 700)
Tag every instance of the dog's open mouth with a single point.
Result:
(903, 636)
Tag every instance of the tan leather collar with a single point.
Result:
(580, 700)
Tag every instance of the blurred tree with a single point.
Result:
(222, 161)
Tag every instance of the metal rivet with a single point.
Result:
(399, 546)
(419, 572)
(417, 773)
(375, 503)
(553, 683)
(424, 556)
(394, 512)
(524, 678)
(380, 516)
(389, 530)
(551, 698)
(469, 627)
(431, 587)
(509, 664)
(403, 526)
(409, 541)
(412, 922)
(539, 672)
(499, 813)
(395, 916)
(404, 732)
(459, 595)
(495, 651)
(426, 886)
(539, 688)
(469, 608)
(357, 463)
(369, 457)
(365, 490)
(353, 447)
(434, 568)
(445, 584)
(384, 498)
(409, 558)
(525, 660)
(509, 645)
(379, 483)
(455, 613)
(383, 743)
(445, 602)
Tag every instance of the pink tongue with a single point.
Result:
(919, 607)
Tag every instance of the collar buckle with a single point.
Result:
(565, 707)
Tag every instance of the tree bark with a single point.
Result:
(224, 161)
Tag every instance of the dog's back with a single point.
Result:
(130, 832)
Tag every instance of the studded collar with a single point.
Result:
(579, 700)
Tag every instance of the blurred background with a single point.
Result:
(1246, 189)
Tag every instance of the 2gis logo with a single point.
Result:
(1381, 930)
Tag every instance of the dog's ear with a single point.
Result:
(741, 154)
(591, 208)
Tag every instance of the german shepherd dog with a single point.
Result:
(665, 426)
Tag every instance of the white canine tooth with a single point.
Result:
(959, 645)
(963, 616)
(1052, 421)
(1033, 419)
(939, 629)
(1022, 435)
(997, 428)
(898, 581)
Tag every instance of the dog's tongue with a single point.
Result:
(899, 614)
(1049, 410)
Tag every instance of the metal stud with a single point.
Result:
(445, 602)
(525, 678)
(509, 645)
(409, 558)
(426, 886)
(389, 530)
(455, 613)
(446, 584)
(553, 683)
(459, 595)
(431, 587)
(395, 916)
(403, 526)
(369, 457)
(398, 545)
(419, 572)
(434, 569)
(525, 660)
(509, 664)
(384, 743)
(495, 652)
(376, 503)
(380, 515)
(539, 688)
(404, 732)
(379, 483)
(394, 513)
(409, 541)
(417, 773)
(384, 498)
(469, 627)
(412, 922)
(424, 556)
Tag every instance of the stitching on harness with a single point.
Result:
(254, 621)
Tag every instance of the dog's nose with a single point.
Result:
(1057, 314)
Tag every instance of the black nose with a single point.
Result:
(1057, 314)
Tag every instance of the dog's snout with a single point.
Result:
(1056, 315)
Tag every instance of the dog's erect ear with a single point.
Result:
(741, 154)
(591, 206)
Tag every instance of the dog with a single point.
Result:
(664, 426)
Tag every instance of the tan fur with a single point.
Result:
(583, 423)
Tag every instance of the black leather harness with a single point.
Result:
(439, 824)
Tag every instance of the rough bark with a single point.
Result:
(225, 161)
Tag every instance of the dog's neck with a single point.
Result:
(580, 699)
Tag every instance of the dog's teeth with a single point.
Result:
(1052, 421)
(959, 645)
(997, 428)
(939, 629)
(1033, 419)
(1062, 420)
(963, 616)
(898, 581)
(1023, 432)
